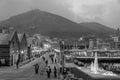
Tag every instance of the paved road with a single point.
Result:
(26, 72)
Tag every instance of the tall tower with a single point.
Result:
(116, 38)
(118, 32)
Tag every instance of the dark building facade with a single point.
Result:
(9, 48)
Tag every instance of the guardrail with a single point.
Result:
(26, 62)
(100, 57)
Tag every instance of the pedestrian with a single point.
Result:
(52, 59)
(55, 71)
(36, 68)
(64, 72)
(17, 64)
(60, 70)
(55, 61)
(43, 58)
(46, 62)
(48, 71)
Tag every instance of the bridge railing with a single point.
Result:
(117, 57)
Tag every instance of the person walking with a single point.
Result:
(46, 62)
(36, 68)
(55, 61)
(48, 71)
(43, 58)
(17, 63)
(52, 59)
(55, 71)
(64, 72)
(60, 69)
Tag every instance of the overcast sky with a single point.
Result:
(104, 11)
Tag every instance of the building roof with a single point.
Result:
(6, 37)
(20, 36)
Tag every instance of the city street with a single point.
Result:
(26, 72)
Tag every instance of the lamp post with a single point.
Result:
(62, 53)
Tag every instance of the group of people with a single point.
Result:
(49, 70)
(55, 71)
(53, 59)
(36, 68)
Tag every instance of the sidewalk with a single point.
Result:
(36, 60)
(25, 64)
(9, 69)
(42, 75)
(28, 69)
(30, 63)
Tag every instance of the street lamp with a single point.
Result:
(62, 53)
(62, 49)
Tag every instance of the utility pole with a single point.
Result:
(62, 54)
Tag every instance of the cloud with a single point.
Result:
(93, 10)
(88, 9)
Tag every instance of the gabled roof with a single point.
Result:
(6, 37)
(20, 36)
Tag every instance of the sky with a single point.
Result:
(106, 12)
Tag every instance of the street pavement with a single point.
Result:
(26, 72)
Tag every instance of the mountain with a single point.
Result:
(97, 27)
(48, 24)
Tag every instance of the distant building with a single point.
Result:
(116, 40)
(9, 48)
(91, 41)
(91, 44)
(74, 44)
